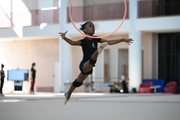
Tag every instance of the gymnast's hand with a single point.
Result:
(128, 41)
(63, 35)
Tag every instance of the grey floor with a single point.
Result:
(92, 106)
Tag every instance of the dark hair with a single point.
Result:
(33, 64)
(2, 65)
(83, 26)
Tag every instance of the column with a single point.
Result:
(65, 54)
(113, 52)
(98, 73)
(135, 49)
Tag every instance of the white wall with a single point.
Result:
(21, 54)
(159, 24)
(104, 27)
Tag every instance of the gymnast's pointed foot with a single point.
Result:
(67, 96)
(102, 46)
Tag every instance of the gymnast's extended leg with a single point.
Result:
(77, 83)
(90, 63)
(84, 74)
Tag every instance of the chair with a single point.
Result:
(145, 87)
(170, 87)
(156, 82)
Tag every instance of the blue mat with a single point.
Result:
(160, 82)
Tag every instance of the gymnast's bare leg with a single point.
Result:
(86, 68)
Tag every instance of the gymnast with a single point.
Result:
(90, 51)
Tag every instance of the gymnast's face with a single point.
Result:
(89, 28)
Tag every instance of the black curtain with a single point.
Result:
(169, 57)
(168, 7)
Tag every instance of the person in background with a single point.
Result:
(33, 76)
(2, 80)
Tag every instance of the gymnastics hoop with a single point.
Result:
(70, 16)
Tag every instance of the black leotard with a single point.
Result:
(88, 48)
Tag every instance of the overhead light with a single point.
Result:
(43, 25)
(49, 8)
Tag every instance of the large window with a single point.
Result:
(169, 56)
(154, 8)
(169, 7)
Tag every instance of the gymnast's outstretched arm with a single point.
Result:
(112, 42)
(71, 42)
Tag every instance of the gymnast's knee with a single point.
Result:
(92, 62)
(77, 84)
